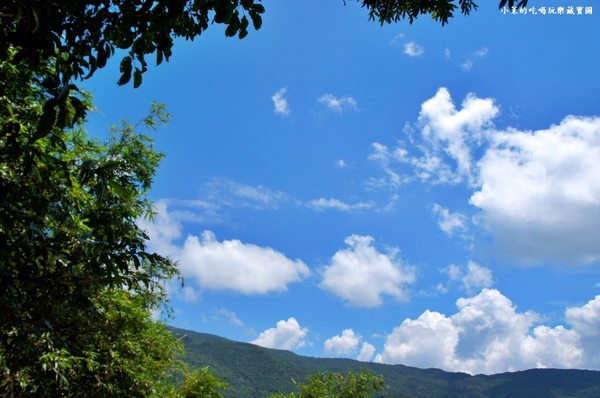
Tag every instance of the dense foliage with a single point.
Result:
(201, 383)
(336, 385)
(78, 287)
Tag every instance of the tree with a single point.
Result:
(78, 288)
(388, 11)
(335, 385)
(201, 383)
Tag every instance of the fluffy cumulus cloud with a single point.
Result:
(361, 275)
(338, 105)
(488, 335)
(366, 352)
(280, 102)
(222, 265)
(346, 345)
(342, 345)
(455, 132)
(539, 192)
(286, 335)
(536, 193)
(236, 266)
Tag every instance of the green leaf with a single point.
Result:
(234, 25)
(256, 19)
(243, 27)
(137, 78)
(223, 11)
(125, 69)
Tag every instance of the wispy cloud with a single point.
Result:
(338, 104)
(473, 276)
(447, 221)
(341, 163)
(447, 53)
(412, 49)
(228, 193)
(280, 102)
(322, 204)
(397, 38)
(479, 54)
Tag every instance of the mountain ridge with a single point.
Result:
(255, 372)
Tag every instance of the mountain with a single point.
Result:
(255, 372)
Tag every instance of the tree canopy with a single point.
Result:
(336, 385)
(78, 287)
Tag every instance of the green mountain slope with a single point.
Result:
(255, 372)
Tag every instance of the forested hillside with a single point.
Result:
(253, 371)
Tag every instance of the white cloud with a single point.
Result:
(229, 316)
(412, 49)
(228, 265)
(338, 105)
(477, 277)
(397, 38)
(287, 335)
(366, 352)
(488, 335)
(455, 132)
(280, 102)
(449, 222)
(231, 194)
(323, 204)
(447, 53)
(447, 142)
(343, 345)
(162, 230)
(468, 64)
(361, 275)
(346, 345)
(236, 266)
(539, 192)
(385, 158)
(535, 192)
(473, 277)
(341, 163)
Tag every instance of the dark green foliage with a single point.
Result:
(82, 35)
(201, 383)
(511, 3)
(336, 385)
(253, 371)
(389, 11)
(77, 285)
(62, 41)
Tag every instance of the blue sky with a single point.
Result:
(410, 194)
